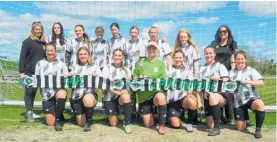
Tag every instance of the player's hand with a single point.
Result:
(123, 92)
(164, 40)
(22, 75)
(215, 78)
(94, 74)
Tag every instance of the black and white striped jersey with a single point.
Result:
(72, 47)
(172, 72)
(87, 69)
(246, 92)
(191, 55)
(44, 67)
(60, 49)
(115, 43)
(100, 52)
(216, 69)
(113, 73)
(134, 50)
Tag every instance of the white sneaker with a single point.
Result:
(35, 116)
(189, 128)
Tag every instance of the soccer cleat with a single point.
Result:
(35, 115)
(161, 130)
(29, 116)
(189, 128)
(87, 126)
(258, 133)
(213, 132)
(127, 129)
(58, 126)
(230, 122)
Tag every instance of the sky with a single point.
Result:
(253, 24)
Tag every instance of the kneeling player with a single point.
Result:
(84, 99)
(247, 96)
(180, 99)
(53, 99)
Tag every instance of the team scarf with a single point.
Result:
(89, 81)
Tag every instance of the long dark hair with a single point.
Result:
(230, 35)
(60, 36)
(86, 37)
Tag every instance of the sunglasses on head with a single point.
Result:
(223, 32)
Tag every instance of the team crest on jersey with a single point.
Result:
(156, 69)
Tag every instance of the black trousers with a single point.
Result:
(29, 97)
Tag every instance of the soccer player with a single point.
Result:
(151, 67)
(84, 99)
(213, 101)
(53, 99)
(247, 96)
(31, 52)
(180, 99)
(100, 49)
(59, 40)
(113, 98)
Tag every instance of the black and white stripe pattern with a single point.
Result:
(100, 53)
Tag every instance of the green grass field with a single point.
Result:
(9, 65)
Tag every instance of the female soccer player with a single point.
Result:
(113, 98)
(247, 96)
(53, 99)
(57, 38)
(31, 52)
(116, 41)
(74, 44)
(225, 48)
(151, 67)
(84, 99)
(212, 101)
(179, 99)
(100, 49)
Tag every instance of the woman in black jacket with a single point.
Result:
(31, 52)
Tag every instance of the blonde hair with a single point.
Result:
(190, 41)
(90, 61)
(122, 64)
(33, 36)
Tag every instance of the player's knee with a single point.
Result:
(192, 103)
(148, 124)
(61, 94)
(125, 98)
(175, 122)
(88, 100)
(258, 105)
(50, 122)
(213, 100)
(113, 120)
(160, 98)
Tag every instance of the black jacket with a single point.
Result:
(31, 52)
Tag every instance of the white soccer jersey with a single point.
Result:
(134, 50)
(100, 53)
(44, 67)
(87, 69)
(112, 73)
(172, 72)
(245, 92)
(163, 50)
(60, 49)
(115, 43)
(216, 69)
(191, 55)
(72, 47)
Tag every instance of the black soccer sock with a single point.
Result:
(216, 115)
(246, 115)
(191, 116)
(162, 111)
(127, 111)
(260, 115)
(59, 108)
(71, 106)
(89, 112)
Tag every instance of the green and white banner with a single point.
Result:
(89, 81)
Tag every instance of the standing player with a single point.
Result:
(84, 99)
(116, 41)
(31, 52)
(179, 99)
(247, 96)
(163, 48)
(57, 38)
(100, 49)
(151, 67)
(212, 101)
(113, 98)
(53, 99)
